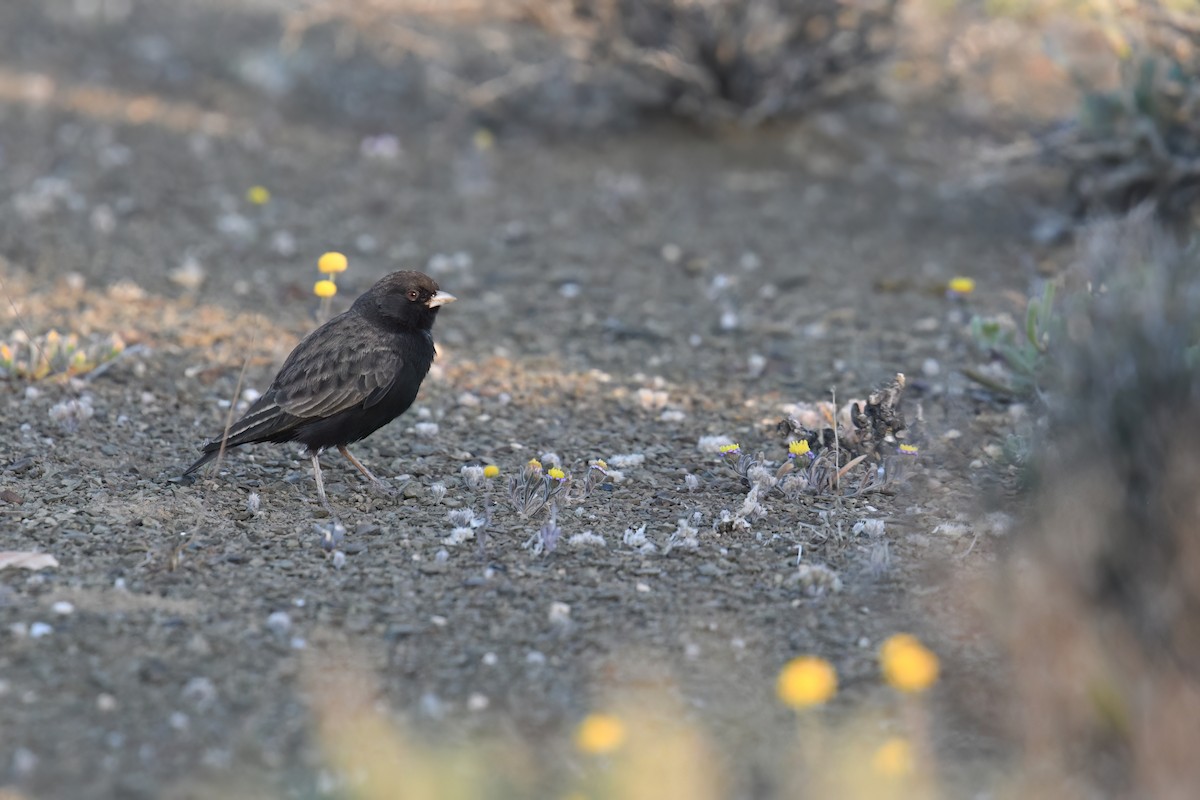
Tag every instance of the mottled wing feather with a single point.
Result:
(318, 383)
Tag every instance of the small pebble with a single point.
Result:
(560, 613)
(279, 622)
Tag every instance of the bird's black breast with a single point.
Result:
(361, 420)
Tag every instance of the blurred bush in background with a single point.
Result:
(748, 60)
(590, 63)
(1140, 141)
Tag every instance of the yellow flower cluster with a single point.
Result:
(258, 195)
(557, 474)
(908, 665)
(961, 286)
(483, 139)
(894, 758)
(491, 471)
(534, 465)
(726, 449)
(806, 681)
(600, 734)
(329, 264)
(798, 448)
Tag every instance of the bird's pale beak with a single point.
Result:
(440, 299)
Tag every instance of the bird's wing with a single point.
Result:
(343, 367)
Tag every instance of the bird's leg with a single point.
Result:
(378, 484)
(320, 483)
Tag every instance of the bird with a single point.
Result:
(346, 379)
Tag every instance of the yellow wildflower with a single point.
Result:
(600, 464)
(324, 288)
(534, 465)
(894, 758)
(908, 665)
(258, 195)
(798, 448)
(806, 681)
(726, 449)
(491, 471)
(484, 140)
(6, 354)
(599, 734)
(961, 285)
(909, 449)
(557, 474)
(332, 263)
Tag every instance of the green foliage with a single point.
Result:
(1140, 141)
(1022, 353)
(52, 355)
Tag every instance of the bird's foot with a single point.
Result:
(383, 487)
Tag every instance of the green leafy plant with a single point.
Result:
(1140, 140)
(52, 355)
(1021, 353)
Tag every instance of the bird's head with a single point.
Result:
(405, 299)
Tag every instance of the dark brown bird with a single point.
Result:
(348, 378)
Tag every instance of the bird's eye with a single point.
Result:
(414, 295)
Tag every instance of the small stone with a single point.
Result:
(560, 613)
(279, 623)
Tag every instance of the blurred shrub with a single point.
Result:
(1106, 589)
(748, 60)
(1140, 142)
(588, 63)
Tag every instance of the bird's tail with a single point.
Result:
(263, 421)
(208, 456)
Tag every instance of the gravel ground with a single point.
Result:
(621, 297)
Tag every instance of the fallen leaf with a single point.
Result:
(32, 561)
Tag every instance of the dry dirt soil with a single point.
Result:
(621, 296)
